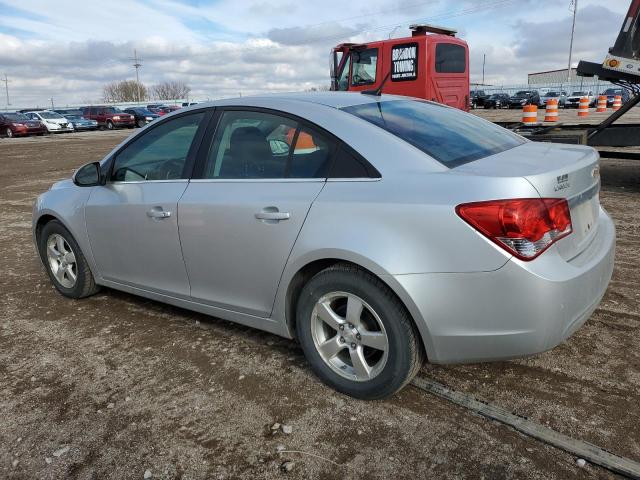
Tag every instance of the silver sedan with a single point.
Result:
(378, 231)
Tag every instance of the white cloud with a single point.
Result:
(69, 50)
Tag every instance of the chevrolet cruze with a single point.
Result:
(375, 230)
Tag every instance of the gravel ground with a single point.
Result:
(115, 386)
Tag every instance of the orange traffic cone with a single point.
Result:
(583, 107)
(551, 110)
(617, 102)
(530, 114)
(602, 104)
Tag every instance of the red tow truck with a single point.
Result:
(432, 64)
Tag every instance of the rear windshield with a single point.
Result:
(450, 136)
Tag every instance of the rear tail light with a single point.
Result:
(525, 227)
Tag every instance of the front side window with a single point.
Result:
(446, 134)
(249, 145)
(450, 58)
(364, 66)
(159, 154)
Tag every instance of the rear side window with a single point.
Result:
(448, 135)
(450, 58)
(348, 165)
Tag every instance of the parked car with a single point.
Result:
(497, 100)
(142, 115)
(612, 92)
(477, 98)
(53, 122)
(560, 96)
(473, 244)
(76, 119)
(109, 117)
(160, 111)
(573, 100)
(524, 97)
(13, 124)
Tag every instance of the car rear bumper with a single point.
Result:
(521, 309)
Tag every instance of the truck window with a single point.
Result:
(364, 66)
(343, 81)
(450, 58)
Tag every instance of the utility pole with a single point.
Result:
(52, 107)
(573, 29)
(484, 59)
(6, 87)
(137, 64)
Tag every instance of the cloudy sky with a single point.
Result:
(69, 49)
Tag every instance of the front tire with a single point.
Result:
(110, 125)
(355, 333)
(66, 265)
(8, 132)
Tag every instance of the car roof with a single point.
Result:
(329, 99)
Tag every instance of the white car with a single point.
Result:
(573, 100)
(54, 122)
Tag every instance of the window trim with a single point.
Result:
(214, 124)
(187, 170)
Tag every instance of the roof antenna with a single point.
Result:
(378, 90)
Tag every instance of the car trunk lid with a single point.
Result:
(555, 171)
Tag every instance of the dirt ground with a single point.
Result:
(114, 385)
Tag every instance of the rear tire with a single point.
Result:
(356, 334)
(110, 125)
(66, 265)
(140, 123)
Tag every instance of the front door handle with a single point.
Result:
(272, 214)
(158, 213)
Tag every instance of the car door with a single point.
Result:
(132, 220)
(239, 221)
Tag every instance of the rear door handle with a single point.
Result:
(157, 212)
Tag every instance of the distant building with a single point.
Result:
(553, 76)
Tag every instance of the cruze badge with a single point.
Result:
(562, 182)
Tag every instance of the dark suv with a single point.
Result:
(109, 117)
(477, 98)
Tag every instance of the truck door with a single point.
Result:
(448, 79)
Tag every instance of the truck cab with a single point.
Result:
(432, 64)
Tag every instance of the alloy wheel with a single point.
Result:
(62, 260)
(9, 133)
(349, 336)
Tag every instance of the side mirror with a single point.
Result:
(88, 175)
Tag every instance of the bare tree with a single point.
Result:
(125, 91)
(171, 90)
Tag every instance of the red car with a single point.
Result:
(109, 117)
(14, 124)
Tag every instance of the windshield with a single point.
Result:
(577, 94)
(112, 110)
(523, 93)
(50, 115)
(551, 94)
(613, 91)
(143, 111)
(495, 96)
(448, 135)
(16, 117)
